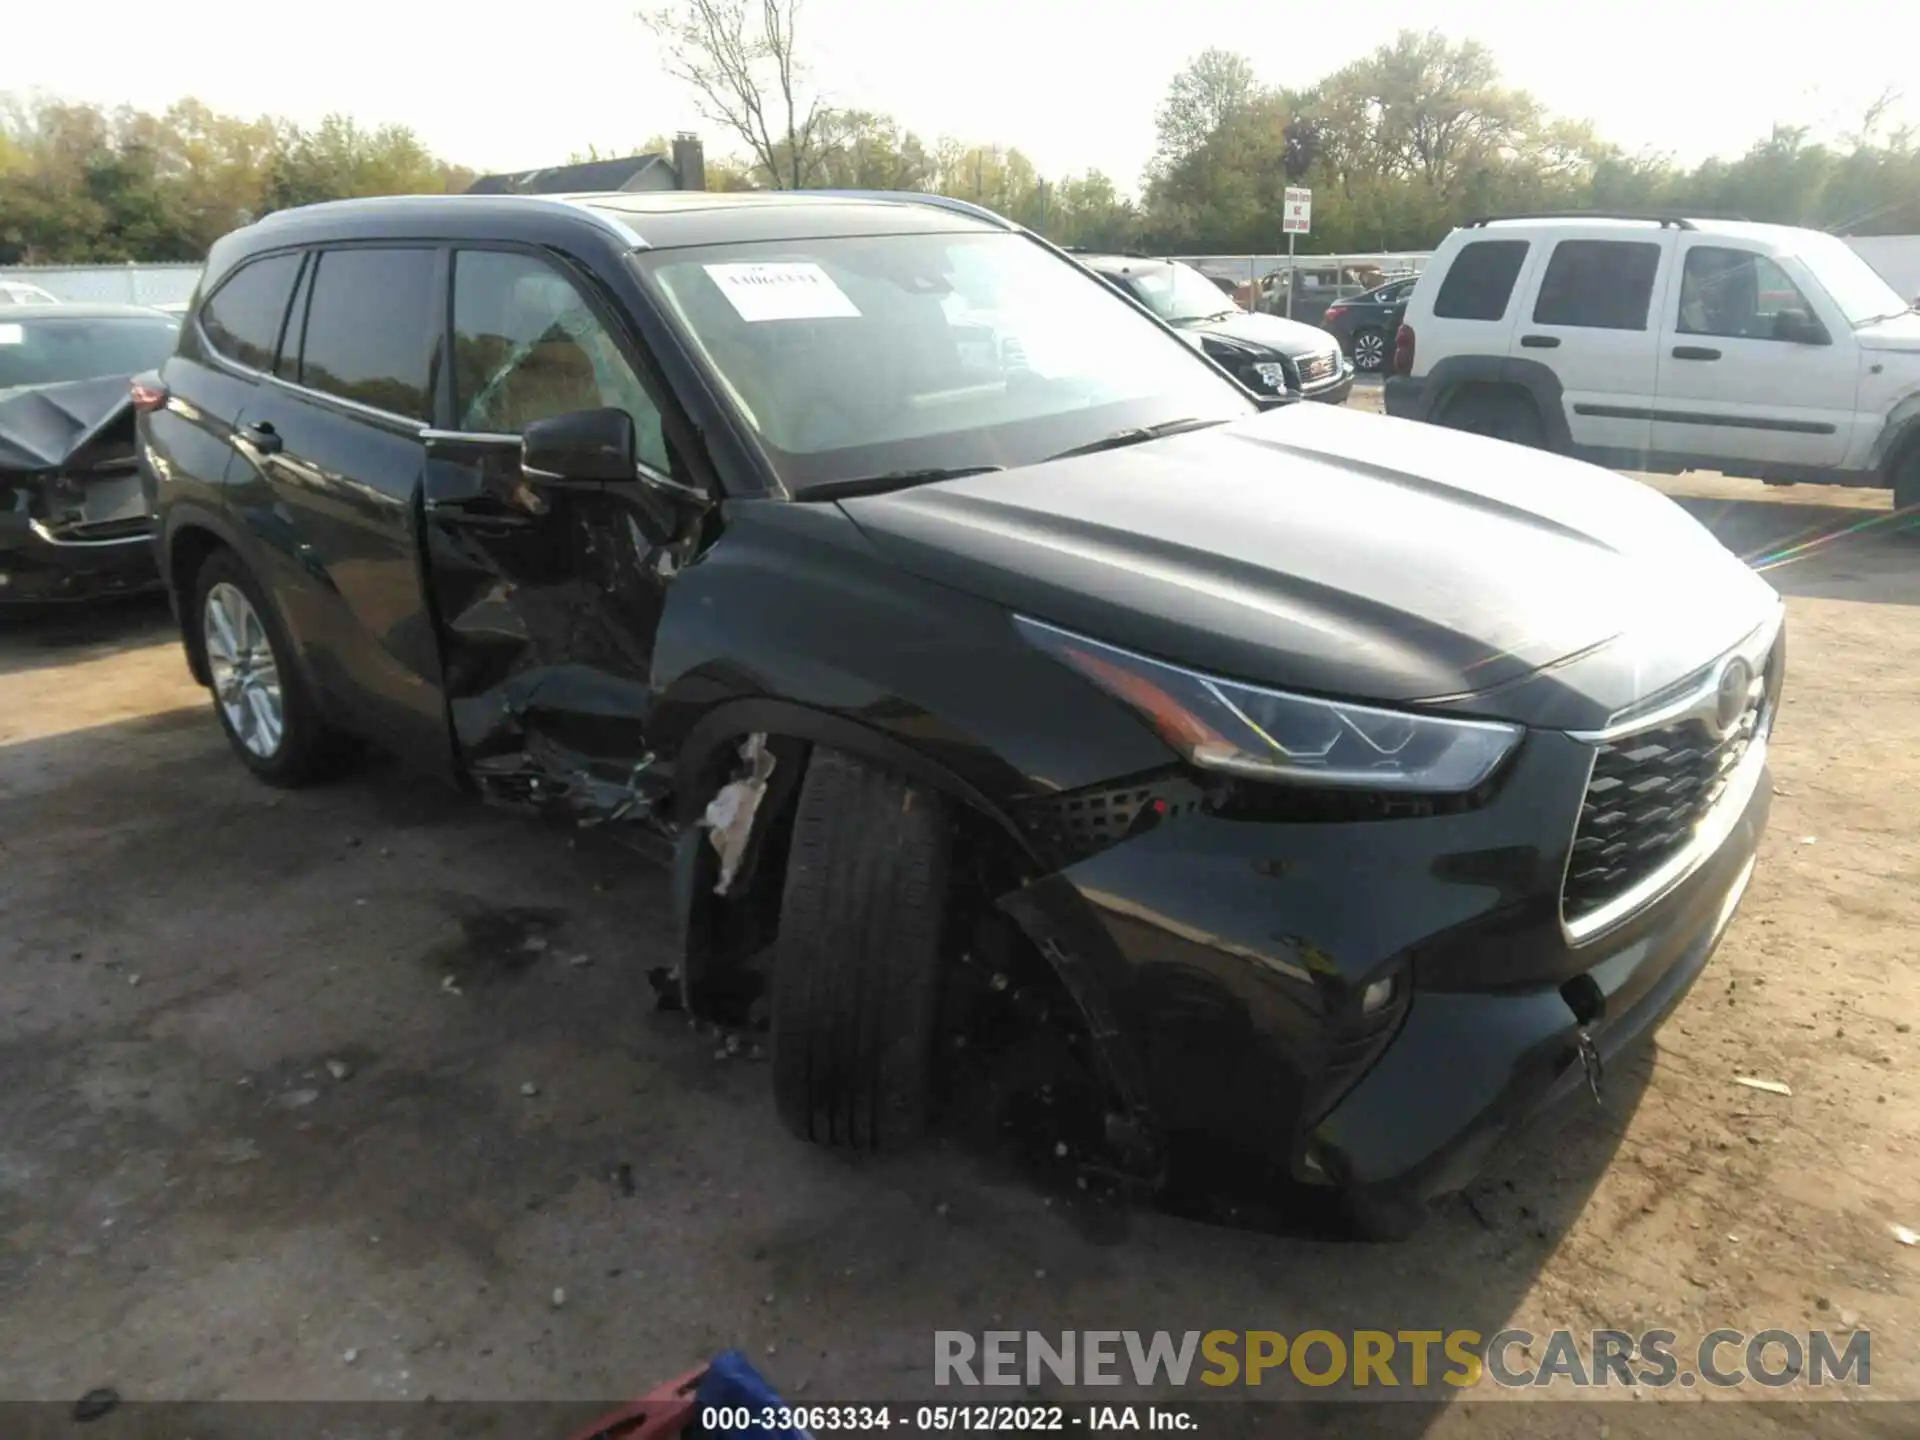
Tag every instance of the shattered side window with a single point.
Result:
(526, 346)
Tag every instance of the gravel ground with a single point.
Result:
(329, 1094)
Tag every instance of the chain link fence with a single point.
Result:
(110, 284)
(1260, 282)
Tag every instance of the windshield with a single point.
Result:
(15, 293)
(44, 352)
(1177, 292)
(870, 355)
(1850, 282)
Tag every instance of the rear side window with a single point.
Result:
(369, 329)
(1599, 284)
(241, 319)
(1480, 280)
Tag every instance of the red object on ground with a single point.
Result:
(664, 1411)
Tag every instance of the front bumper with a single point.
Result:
(1335, 389)
(1511, 1056)
(1229, 953)
(37, 565)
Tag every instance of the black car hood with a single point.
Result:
(1329, 551)
(1264, 332)
(62, 426)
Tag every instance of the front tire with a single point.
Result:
(855, 986)
(1370, 351)
(262, 701)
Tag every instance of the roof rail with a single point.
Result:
(1665, 219)
(914, 197)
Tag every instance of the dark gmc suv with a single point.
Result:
(1358, 787)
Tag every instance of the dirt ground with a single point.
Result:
(329, 1095)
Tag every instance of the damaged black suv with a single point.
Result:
(1357, 787)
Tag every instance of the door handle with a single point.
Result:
(1694, 352)
(1540, 342)
(262, 437)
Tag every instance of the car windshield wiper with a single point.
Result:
(1136, 436)
(892, 480)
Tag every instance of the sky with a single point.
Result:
(1072, 83)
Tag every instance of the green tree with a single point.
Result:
(338, 158)
(1214, 87)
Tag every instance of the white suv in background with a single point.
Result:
(1666, 344)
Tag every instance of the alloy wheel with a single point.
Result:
(246, 677)
(1369, 350)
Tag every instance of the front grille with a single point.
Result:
(1647, 796)
(1074, 824)
(1318, 367)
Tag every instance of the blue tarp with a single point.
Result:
(731, 1383)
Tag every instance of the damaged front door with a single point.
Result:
(548, 589)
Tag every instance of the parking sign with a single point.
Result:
(1298, 219)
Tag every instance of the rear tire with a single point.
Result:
(855, 989)
(1906, 489)
(295, 747)
(1499, 415)
(1371, 351)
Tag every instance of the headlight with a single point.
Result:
(1294, 739)
(1273, 376)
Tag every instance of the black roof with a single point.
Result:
(648, 219)
(12, 314)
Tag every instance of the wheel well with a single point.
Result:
(725, 932)
(190, 549)
(1470, 392)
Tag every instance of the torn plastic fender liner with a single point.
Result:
(1050, 912)
(729, 816)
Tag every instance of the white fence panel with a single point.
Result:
(110, 284)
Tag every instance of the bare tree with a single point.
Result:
(1875, 121)
(739, 58)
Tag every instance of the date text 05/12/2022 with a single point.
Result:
(991, 1419)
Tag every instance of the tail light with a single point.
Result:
(1403, 351)
(148, 393)
(1334, 312)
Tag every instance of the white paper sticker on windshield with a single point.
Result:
(13, 334)
(790, 290)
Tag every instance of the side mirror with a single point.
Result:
(583, 446)
(1799, 328)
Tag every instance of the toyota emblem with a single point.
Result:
(1730, 697)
